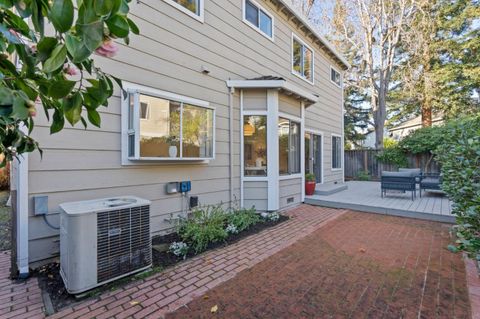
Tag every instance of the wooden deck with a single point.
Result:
(365, 196)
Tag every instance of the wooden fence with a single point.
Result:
(359, 161)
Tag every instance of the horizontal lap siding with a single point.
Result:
(81, 164)
(290, 188)
(255, 194)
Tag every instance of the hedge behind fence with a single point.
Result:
(459, 157)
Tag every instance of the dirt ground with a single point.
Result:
(358, 266)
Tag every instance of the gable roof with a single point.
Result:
(286, 7)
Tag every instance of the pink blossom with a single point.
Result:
(69, 69)
(108, 49)
(33, 48)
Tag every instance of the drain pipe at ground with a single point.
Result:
(21, 211)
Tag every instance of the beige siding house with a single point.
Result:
(240, 97)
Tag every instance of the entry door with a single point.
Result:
(313, 155)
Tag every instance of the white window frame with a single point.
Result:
(200, 17)
(339, 73)
(242, 146)
(136, 159)
(297, 38)
(298, 120)
(147, 114)
(244, 18)
(341, 152)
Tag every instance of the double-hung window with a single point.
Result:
(165, 126)
(289, 146)
(258, 18)
(336, 152)
(302, 59)
(193, 8)
(335, 77)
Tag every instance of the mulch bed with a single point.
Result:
(51, 282)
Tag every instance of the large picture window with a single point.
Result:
(258, 18)
(336, 152)
(289, 146)
(255, 145)
(161, 128)
(302, 59)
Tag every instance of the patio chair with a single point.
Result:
(400, 181)
(430, 181)
(416, 171)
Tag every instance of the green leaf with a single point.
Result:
(72, 107)
(94, 117)
(77, 49)
(133, 26)
(61, 15)
(60, 88)
(45, 47)
(118, 26)
(103, 7)
(6, 4)
(58, 122)
(92, 34)
(20, 110)
(56, 60)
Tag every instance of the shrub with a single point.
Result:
(243, 218)
(394, 155)
(272, 217)
(459, 156)
(309, 177)
(363, 176)
(206, 226)
(231, 229)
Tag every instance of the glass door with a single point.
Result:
(313, 155)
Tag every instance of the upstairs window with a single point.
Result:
(168, 127)
(336, 152)
(193, 8)
(335, 77)
(258, 18)
(302, 59)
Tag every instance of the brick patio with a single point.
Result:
(167, 291)
(357, 266)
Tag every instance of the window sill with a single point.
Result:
(165, 160)
(337, 169)
(303, 78)
(197, 17)
(292, 176)
(254, 27)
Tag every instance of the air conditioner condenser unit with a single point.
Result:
(103, 240)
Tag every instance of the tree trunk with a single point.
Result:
(427, 93)
(379, 116)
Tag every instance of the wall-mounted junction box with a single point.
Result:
(40, 205)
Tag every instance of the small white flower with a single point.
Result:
(231, 229)
(179, 249)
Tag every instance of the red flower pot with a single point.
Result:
(310, 187)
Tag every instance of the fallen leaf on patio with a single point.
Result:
(205, 297)
(214, 309)
(134, 303)
(362, 250)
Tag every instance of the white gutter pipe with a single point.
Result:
(230, 139)
(21, 181)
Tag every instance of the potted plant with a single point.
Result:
(172, 150)
(310, 184)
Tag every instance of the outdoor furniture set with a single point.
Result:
(406, 179)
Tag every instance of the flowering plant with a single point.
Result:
(179, 249)
(55, 69)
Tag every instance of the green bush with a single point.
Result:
(309, 177)
(459, 156)
(206, 226)
(363, 176)
(394, 155)
(242, 219)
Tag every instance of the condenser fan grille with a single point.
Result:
(123, 241)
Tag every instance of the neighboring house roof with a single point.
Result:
(415, 122)
(275, 82)
(298, 18)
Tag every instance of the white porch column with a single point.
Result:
(272, 150)
(302, 149)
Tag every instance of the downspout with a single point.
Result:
(21, 181)
(231, 91)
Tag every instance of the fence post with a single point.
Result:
(365, 162)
